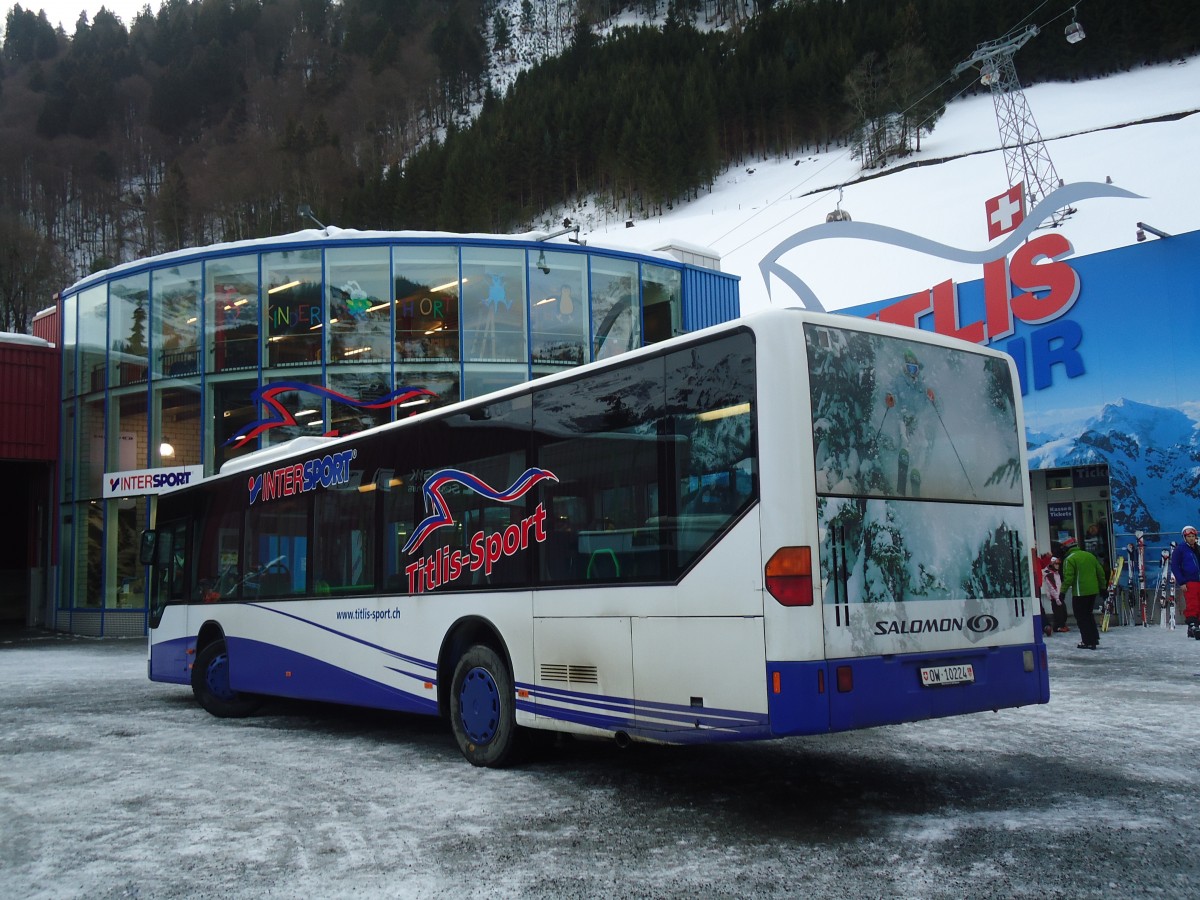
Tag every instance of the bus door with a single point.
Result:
(169, 588)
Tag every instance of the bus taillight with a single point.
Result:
(789, 576)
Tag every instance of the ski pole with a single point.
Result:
(937, 412)
(889, 401)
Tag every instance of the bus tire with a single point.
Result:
(210, 684)
(483, 708)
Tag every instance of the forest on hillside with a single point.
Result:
(213, 120)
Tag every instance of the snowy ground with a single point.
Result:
(114, 787)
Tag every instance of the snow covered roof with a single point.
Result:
(8, 337)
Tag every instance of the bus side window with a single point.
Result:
(710, 388)
(600, 436)
(344, 542)
(217, 565)
(562, 560)
(276, 549)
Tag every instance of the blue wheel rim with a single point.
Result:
(479, 705)
(216, 676)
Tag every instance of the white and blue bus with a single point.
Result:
(794, 523)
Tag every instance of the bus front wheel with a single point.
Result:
(483, 708)
(210, 684)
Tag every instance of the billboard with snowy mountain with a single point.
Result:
(1107, 349)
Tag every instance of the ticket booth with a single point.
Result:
(1073, 503)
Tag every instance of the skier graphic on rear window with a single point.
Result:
(911, 406)
(919, 478)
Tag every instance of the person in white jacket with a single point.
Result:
(1052, 588)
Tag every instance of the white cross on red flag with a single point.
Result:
(1006, 212)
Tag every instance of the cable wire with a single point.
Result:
(849, 149)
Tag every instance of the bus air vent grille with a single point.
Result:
(570, 674)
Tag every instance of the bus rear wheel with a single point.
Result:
(210, 684)
(483, 708)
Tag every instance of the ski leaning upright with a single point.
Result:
(1164, 596)
(1141, 558)
(1110, 599)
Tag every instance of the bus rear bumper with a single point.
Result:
(816, 698)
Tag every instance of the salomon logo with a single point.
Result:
(982, 624)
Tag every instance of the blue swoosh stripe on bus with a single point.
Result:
(403, 656)
(324, 680)
(687, 714)
(552, 693)
(616, 723)
(416, 676)
(643, 729)
(648, 711)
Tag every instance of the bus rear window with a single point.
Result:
(900, 418)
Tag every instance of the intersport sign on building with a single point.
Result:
(143, 482)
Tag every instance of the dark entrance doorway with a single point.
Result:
(24, 544)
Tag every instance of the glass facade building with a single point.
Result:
(179, 360)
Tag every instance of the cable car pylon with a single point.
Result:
(1026, 158)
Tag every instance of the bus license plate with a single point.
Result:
(934, 676)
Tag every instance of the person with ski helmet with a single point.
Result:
(1185, 566)
(1084, 575)
(915, 423)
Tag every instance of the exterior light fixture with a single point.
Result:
(165, 449)
(305, 212)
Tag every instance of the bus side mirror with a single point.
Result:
(146, 552)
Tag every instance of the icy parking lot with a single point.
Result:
(112, 787)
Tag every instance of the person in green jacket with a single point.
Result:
(1085, 576)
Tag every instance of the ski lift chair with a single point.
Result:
(1073, 32)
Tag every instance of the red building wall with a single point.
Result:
(45, 325)
(29, 402)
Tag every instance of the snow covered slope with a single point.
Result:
(1092, 133)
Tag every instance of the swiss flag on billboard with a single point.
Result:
(1006, 212)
